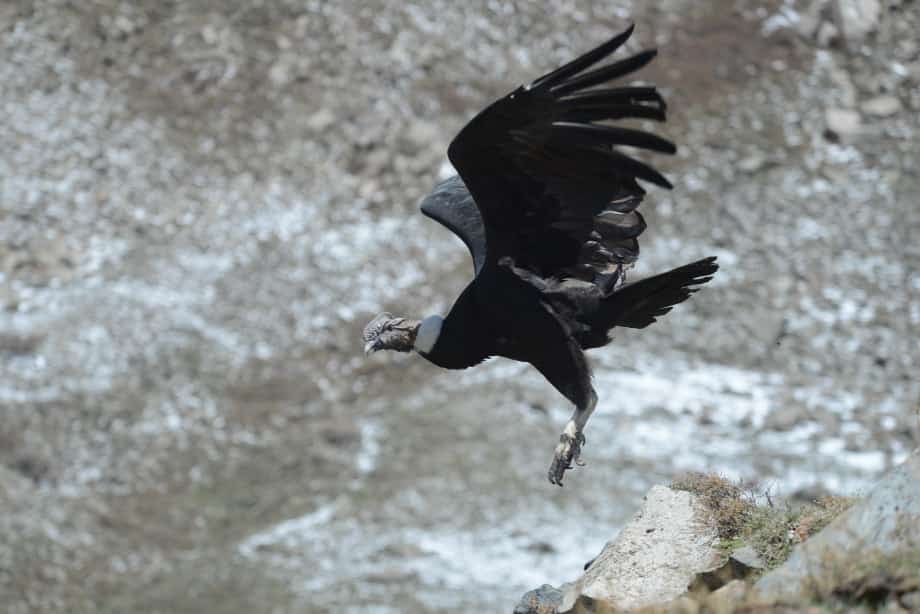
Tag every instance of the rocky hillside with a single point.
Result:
(202, 203)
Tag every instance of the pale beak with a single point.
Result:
(370, 347)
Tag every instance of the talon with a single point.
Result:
(567, 452)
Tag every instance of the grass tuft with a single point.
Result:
(727, 502)
(771, 529)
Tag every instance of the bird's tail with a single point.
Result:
(639, 303)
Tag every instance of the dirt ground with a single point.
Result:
(201, 204)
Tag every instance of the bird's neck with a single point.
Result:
(428, 332)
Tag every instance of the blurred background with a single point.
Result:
(201, 204)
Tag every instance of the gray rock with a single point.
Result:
(655, 557)
(784, 418)
(843, 122)
(19, 336)
(911, 601)
(846, 89)
(813, 23)
(321, 120)
(857, 18)
(885, 521)
(748, 556)
(810, 18)
(753, 163)
(881, 106)
(544, 600)
(827, 34)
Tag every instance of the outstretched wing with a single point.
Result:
(555, 193)
(451, 204)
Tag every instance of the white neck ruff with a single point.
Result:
(428, 332)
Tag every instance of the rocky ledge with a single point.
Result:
(704, 544)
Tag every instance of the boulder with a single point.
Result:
(857, 18)
(321, 120)
(654, 558)
(843, 123)
(881, 106)
(885, 522)
(750, 558)
(543, 600)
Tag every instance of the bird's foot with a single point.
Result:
(568, 451)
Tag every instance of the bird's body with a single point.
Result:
(546, 204)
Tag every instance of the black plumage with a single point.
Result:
(546, 203)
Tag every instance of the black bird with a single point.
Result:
(546, 203)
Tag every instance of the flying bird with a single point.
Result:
(546, 201)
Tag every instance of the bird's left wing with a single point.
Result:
(451, 204)
(555, 193)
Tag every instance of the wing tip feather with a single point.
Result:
(584, 60)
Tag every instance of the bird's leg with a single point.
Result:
(570, 442)
(568, 451)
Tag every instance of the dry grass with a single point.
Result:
(774, 529)
(729, 505)
(815, 516)
(771, 529)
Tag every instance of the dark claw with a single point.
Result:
(562, 463)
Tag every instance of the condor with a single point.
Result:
(546, 203)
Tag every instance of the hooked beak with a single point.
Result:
(370, 347)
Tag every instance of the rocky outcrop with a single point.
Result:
(886, 522)
(673, 556)
(653, 559)
(655, 556)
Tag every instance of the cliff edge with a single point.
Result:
(706, 545)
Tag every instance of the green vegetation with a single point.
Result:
(771, 529)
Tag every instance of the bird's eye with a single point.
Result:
(377, 326)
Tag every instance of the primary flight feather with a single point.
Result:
(546, 201)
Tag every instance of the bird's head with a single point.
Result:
(386, 332)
